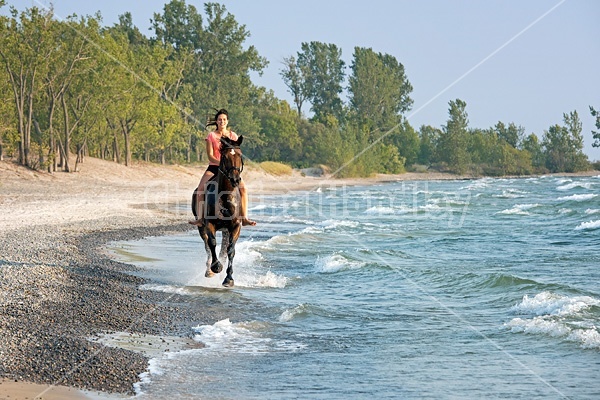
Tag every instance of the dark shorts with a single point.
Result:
(213, 168)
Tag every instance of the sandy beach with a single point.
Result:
(73, 322)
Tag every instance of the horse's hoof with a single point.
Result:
(216, 267)
(209, 273)
(228, 282)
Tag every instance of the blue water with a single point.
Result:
(428, 289)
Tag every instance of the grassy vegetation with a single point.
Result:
(275, 168)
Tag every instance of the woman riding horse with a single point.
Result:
(222, 205)
(213, 150)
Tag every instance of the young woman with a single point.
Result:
(213, 150)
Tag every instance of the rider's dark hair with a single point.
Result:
(214, 120)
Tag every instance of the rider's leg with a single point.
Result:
(244, 206)
(200, 197)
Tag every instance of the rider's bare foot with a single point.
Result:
(248, 222)
(197, 222)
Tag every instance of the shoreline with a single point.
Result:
(61, 288)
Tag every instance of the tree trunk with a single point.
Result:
(52, 159)
(116, 151)
(38, 132)
(188, 151)
(67, 137)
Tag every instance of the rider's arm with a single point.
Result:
(211, 153)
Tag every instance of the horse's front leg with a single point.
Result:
(208, 273)
(233, 237)
(211, 240)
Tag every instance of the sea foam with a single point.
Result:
(241, 337)
(578, 197)
(548, 303)
(335, 263)
(519, 209)
(588, 225)
(573, 185)
(558, 316)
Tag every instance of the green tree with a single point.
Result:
(324, 76)
(578, 161)
(73, 78)
(510, 134)
(481, 146)
(563, 146)
(8, 131)
(596, 134)
(406, 141)
(280, 130)
(379, 89)
(179, 25)
(25, 43)
(532, 145)
(428, 137)
(295, 78)
(453, 142)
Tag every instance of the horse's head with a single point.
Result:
(232, 163)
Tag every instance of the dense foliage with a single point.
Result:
(77, 87)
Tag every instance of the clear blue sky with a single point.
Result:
(526, 62)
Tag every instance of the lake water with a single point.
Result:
(487, 288)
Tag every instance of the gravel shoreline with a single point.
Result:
(59, 288)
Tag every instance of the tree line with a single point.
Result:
(77, 87)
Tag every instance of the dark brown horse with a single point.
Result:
(222, 209)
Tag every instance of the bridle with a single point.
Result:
(227, 171)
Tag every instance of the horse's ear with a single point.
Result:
(226, 142)
(239, 141)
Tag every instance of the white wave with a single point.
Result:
(478, 184)
(248, 268)
(269, 280)
(588, 225)
(244, 278)
(241, 337)
(519, 209)
(259, 207)
(225, 335)
(587, 338)
(558, 316)
(290, 314)
(573, 185)
(511, 194)
(165, 288)
(309, 230)
(380, 210)
(578, 197)
(565, 211)
(591, 211)
(146, 377)
(334, 223)
(538, 325)
(336, 263)
(548, 303)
